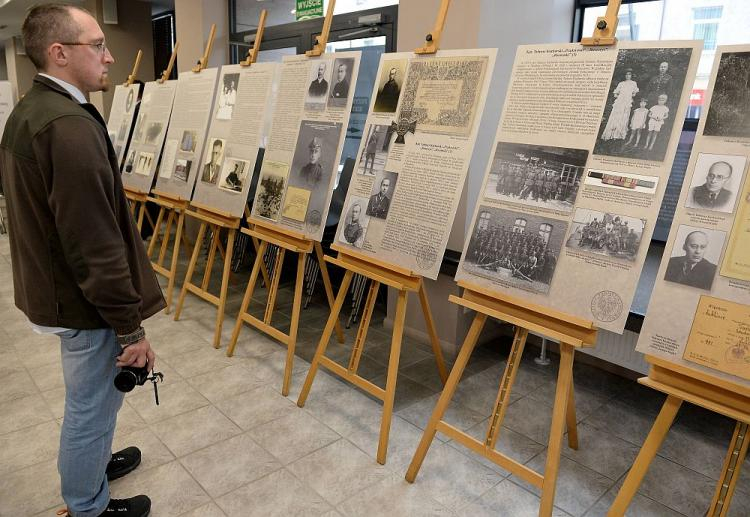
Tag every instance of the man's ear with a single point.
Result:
(56, 54)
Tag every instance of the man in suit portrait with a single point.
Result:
(341, 88)
(312, 172)
(380, 203)
(319, 86)
(211, 169)
(712, 195)
(387, 97)
(692, 269)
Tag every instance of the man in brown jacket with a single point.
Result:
(79, 267)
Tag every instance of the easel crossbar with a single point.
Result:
(214, 219)
(302, 246)
(730, 406)
(372, 389)
(490, 453)
(268, 329)
(384, 276)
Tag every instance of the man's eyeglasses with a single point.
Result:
(100, 47)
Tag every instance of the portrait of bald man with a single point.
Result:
(692, 268)
(713, 194)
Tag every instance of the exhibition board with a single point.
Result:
(150, 129)
(414, 156)
(699, 314)
(6, 103)
(577, 173)
(187, 132)
(301, 161)
(121, 115)
(235, 134)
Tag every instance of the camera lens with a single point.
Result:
(125, 381)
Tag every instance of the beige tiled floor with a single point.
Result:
(225, 442)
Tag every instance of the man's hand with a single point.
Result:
(138, 355)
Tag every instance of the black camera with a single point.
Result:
(130, 377)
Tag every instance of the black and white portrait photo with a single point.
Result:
(315, 160)
(129, 162)
(143, 163)
(516, 249)
(695, 253)
(729, 112)
(130, 98)
(182, 169)
(188, 140)
(605, 233)
(641, 107)
(536, 175)
(375, 151)
(213, 158)
(271, 189)
(716, 180)
(227, 96)
(382, 194)
(389, 85)
(355, 222)
(317, 91)
(341, 81)
(153, 132)
(233, 174)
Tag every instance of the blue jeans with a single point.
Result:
(91, 406)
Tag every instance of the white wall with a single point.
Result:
(3, 65)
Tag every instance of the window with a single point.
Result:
(721, 22)
(545, 230)
(519, 226)
(484, 221)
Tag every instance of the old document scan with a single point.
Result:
(581, 159)
(148, 135)
(235, 134)
(187, 132)
(414, 156)
(121, 115)
(309, 124)
(699, 314)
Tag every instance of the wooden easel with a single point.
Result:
(571, 332)
(404, 281)
(401, 279)
(137, 198)
(321, 41)
(172, 205)
(286, 240)
(681, 383)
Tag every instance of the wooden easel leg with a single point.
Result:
(364, 325)
(328, 287)
(296, 306)
(570, 419)
(390, 384)
(165, 240)
(175, 256)
(266, 278)
(506, 385)
(434, 339)
(327, 331)
(224, 287)
(141, 213)
(274, 289)
(248, 296)
(559, 412)
(190, 270)
(730, 472)
(649, 449)
(445, 397)
(157, 231)
(211, 257)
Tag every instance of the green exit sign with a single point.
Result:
(307, 9)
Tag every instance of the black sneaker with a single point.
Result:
(123, 462)
(138, 506)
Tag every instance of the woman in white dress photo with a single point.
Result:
(617, 123)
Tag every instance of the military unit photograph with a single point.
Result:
(603, 233)
(536, 175)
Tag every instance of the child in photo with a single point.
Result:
(656, 117)
(638, 123)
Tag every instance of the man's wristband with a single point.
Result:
(129, 339)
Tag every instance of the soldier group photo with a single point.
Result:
(536, 175)
(606, 234)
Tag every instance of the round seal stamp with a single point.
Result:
(426, 257)
(313, 221)
(606, 306)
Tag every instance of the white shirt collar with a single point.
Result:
(72, 90)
